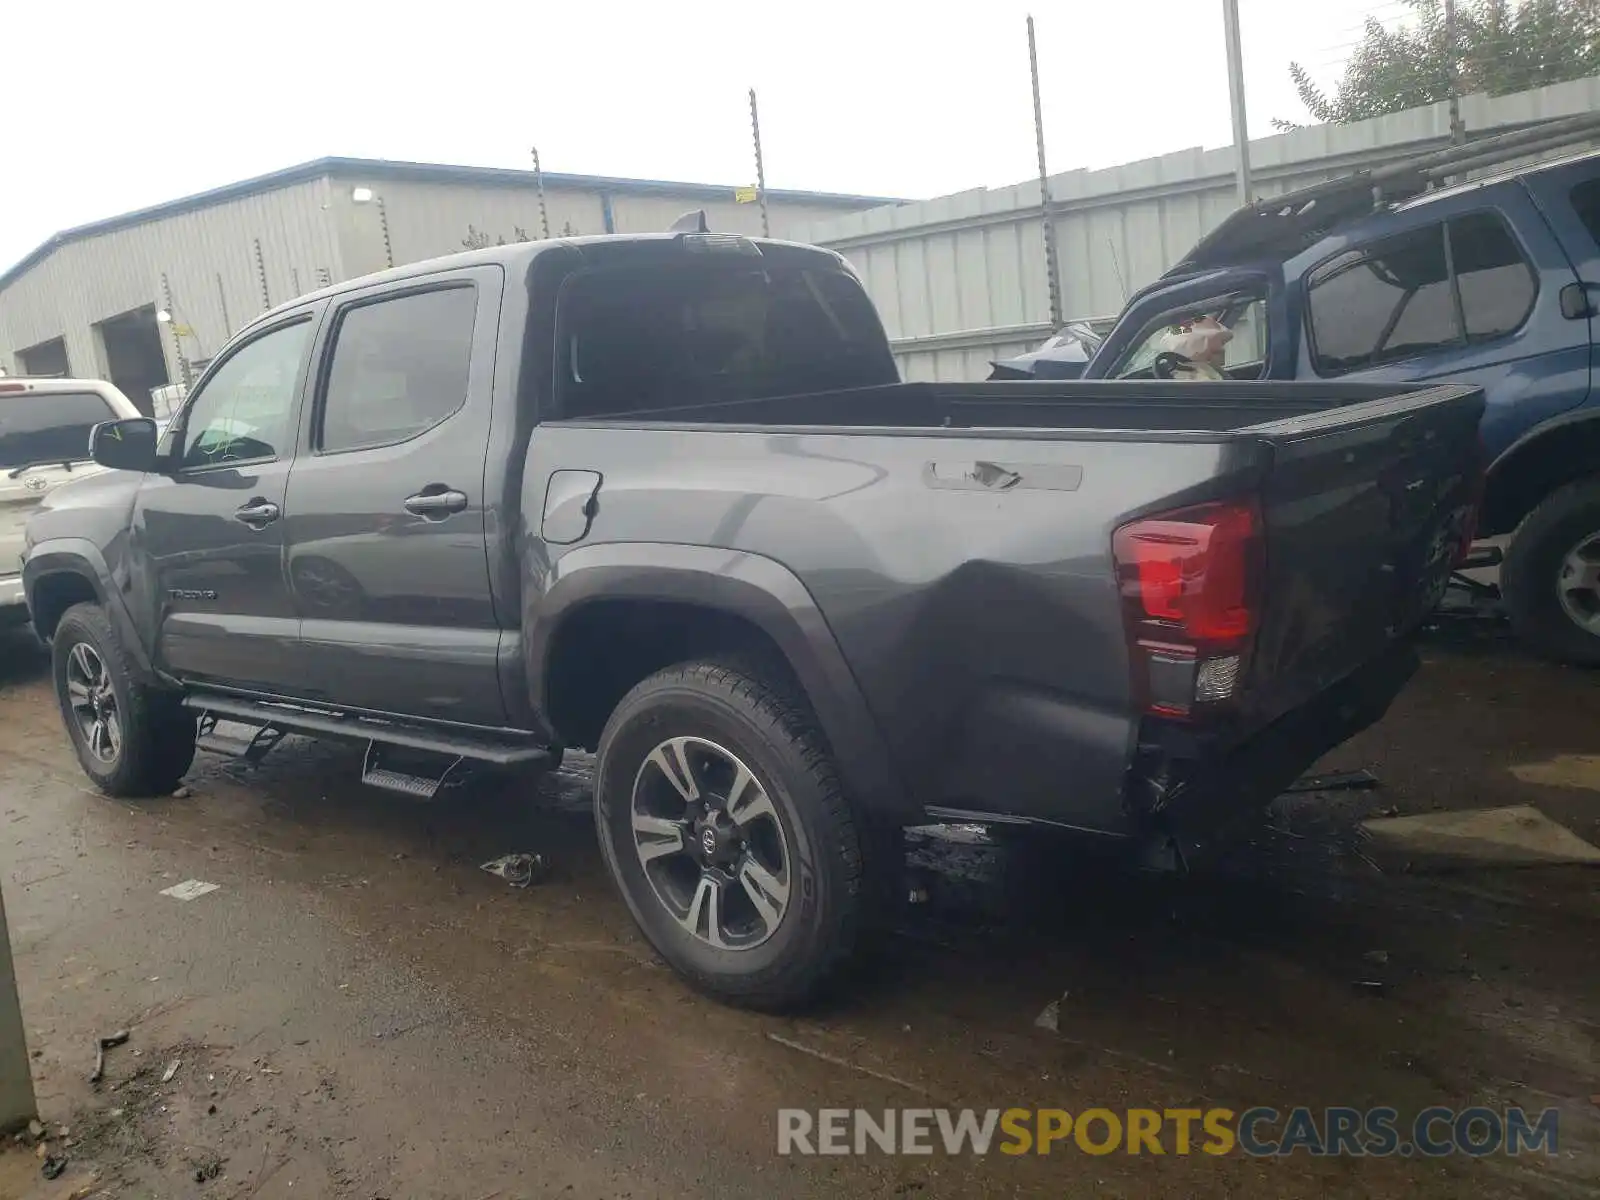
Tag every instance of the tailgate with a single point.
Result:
(1366, 508)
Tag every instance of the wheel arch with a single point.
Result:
(61, 573)
(1543, 460)
(634, 608)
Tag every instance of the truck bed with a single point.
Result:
(958, 542)
(1144, 407)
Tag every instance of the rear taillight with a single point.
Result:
(1191, 587)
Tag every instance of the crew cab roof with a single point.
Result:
(516, 257)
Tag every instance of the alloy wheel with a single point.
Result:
(1578, 584)
(710, 842)
(94, 702)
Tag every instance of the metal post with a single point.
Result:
(1241, 126)
(538, 182)
(177, 338)
(383, 223)
(1458, 130)
(1052, 264)
(761, 174)
(261, 275)
(17, 1103)
(222, 298)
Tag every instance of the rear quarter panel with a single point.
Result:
(982, 625)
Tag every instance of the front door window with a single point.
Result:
(1228, 334)
(245, 410)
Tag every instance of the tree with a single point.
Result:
(1499, 46)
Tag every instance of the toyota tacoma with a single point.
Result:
(667, 499)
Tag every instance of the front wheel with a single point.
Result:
(1551, 576)
(131, 739)
(723, 821)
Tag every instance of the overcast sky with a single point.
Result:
(110, 105)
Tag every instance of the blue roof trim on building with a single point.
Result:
(379, 168)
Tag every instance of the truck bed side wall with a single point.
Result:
(982, 622)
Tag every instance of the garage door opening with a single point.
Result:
(134, 360)
(47, 358)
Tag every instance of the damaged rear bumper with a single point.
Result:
(1184, 794)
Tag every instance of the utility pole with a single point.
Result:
(1241, 126)
(1052, 264)
(538, 183)
(17, 1103)
(761, 174)
(1458, 131)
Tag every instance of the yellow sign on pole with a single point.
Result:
(745, 195)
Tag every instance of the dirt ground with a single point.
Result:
(359, 1011)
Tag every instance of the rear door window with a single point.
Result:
(1497, 284)
(399, 368)
(1397, 298)
(48, 427)
(1385, 301)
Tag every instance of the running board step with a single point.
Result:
(1480, 557)
(252, 746)
(418, 787)
(512, 748)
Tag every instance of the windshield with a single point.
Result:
(48, 426)
(656, 338)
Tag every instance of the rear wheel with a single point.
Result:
(723, 822)
(1551, 576)
(131, 739)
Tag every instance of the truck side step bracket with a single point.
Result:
(274, 719)
(251, 749)
(419, 787)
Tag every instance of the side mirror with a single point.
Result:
(127, 445)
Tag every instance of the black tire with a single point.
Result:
(157, 735)
(775, 736)
(1533, 567)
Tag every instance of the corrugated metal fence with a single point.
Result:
(961, 279)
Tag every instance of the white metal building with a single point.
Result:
(86, 302)
(961, 280)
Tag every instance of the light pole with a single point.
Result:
(1052, 260)
(365, 195)
(1241, 127)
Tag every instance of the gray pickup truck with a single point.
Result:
(666, 498)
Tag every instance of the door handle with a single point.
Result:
(436, 504)
(257, 513)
